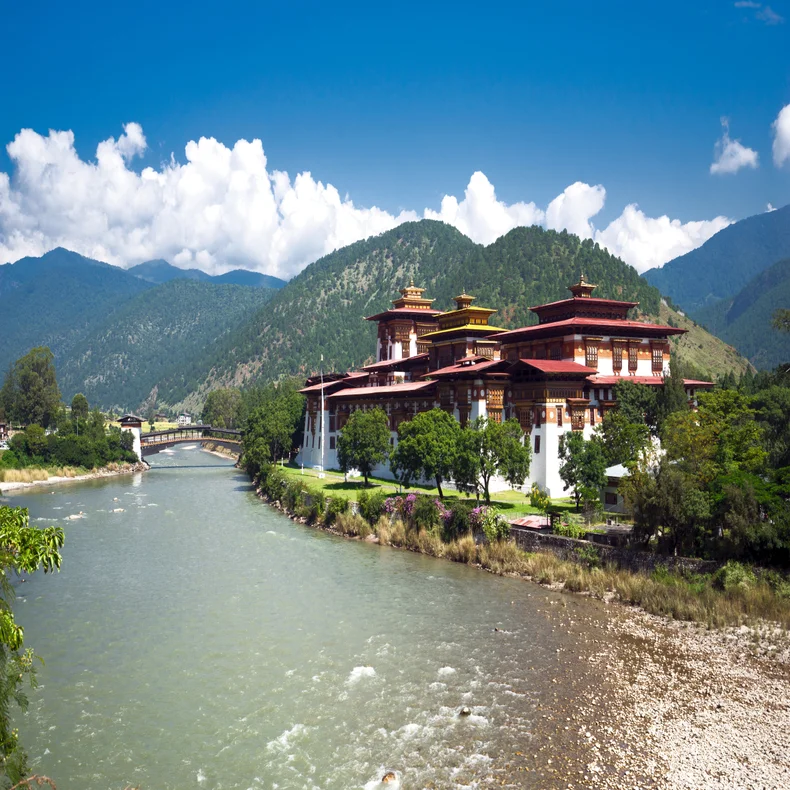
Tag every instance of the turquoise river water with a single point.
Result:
(197, 638)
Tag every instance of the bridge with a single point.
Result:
(155, 441)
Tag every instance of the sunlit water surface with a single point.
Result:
(196, 638)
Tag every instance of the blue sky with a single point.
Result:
(397, 105)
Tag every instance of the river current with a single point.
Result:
(197, 638)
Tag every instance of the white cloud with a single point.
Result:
(781, 129)
(646, 242)
(730, 155)
(223, 208)
(573, 209)
(480, 215)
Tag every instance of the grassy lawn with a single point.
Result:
(513, 504)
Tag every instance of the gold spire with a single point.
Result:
(582, 289)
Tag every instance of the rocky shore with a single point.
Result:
(119, 469)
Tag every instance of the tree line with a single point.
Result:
(55, 435)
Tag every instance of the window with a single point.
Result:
(592, 415)
(632, 357)
(610, 498)
(537, 418)
(556, 351)
(658, 359)
(591, 356)
(559, 416)
(537, 445)
(332, 423)
(331, 442)
(617, 357)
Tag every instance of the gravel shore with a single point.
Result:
(663, 705)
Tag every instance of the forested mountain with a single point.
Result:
(160, 271)
(725, 263)
(321, 310)
(154, 335)
(56, 299)
(745, 320)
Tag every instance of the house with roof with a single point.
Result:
(555, 376)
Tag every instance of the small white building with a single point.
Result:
(184, 419)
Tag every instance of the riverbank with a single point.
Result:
(113, 470)
(687, 705)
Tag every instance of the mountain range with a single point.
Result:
(160, 271)
(126, 339)
(321, 311)
(734, 282)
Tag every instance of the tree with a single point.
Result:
(637, 403)
(79, 407)
(30, 392)
(222, 408)
(427, 447)
(781, 320)
(22, 549)
(276, 421)
(621, 441)
(539, 499)
(488, 448)
(584, 465)
(671, 397)
(364, 441)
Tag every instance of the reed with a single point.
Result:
(23, 475)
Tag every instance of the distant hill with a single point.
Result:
(321, 310)
(725, 263)
(157, 334)
(745, 320)
(160, 271)
(56, 299)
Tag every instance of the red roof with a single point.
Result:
(695, 383)
(384, 364)
(616, 327)
(318, 387)
(465, 366)
(403, 312)
(557, 366)
(409, 388)
(584, 300)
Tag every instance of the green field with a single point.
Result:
(513, 504)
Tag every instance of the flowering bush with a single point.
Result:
(476, 516)
(444, 514)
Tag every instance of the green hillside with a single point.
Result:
(55, 300)
(154, 335)
(745, 320)
(321, 310)
(725, 263)
(160, 271)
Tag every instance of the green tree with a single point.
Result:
(222, 408)
(637, 403)
(781, 320)
(539, 499)
(364, 441)
(79, 407)
(584, 464)
(23, 549)
(30, 392)
(488, 448)
(671, 398)
(276, 420)
(427, 447)
(621, 441)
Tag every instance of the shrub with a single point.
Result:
(456, 524)
(424, 514)
(462, 550)
(734, 576)
(275, 483)
(371, 505)
(589, 556)
(334, 507)
(352, 524)
(570, 530)
(293, 493)
(494, 526)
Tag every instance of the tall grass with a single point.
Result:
(22, 475)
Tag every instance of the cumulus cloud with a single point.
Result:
(730, 156)
(480, 215)
(223, 208)
(646, 242)
(781, 130)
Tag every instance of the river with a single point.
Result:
(196, 638)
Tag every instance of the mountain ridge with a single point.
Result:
(160, 271)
